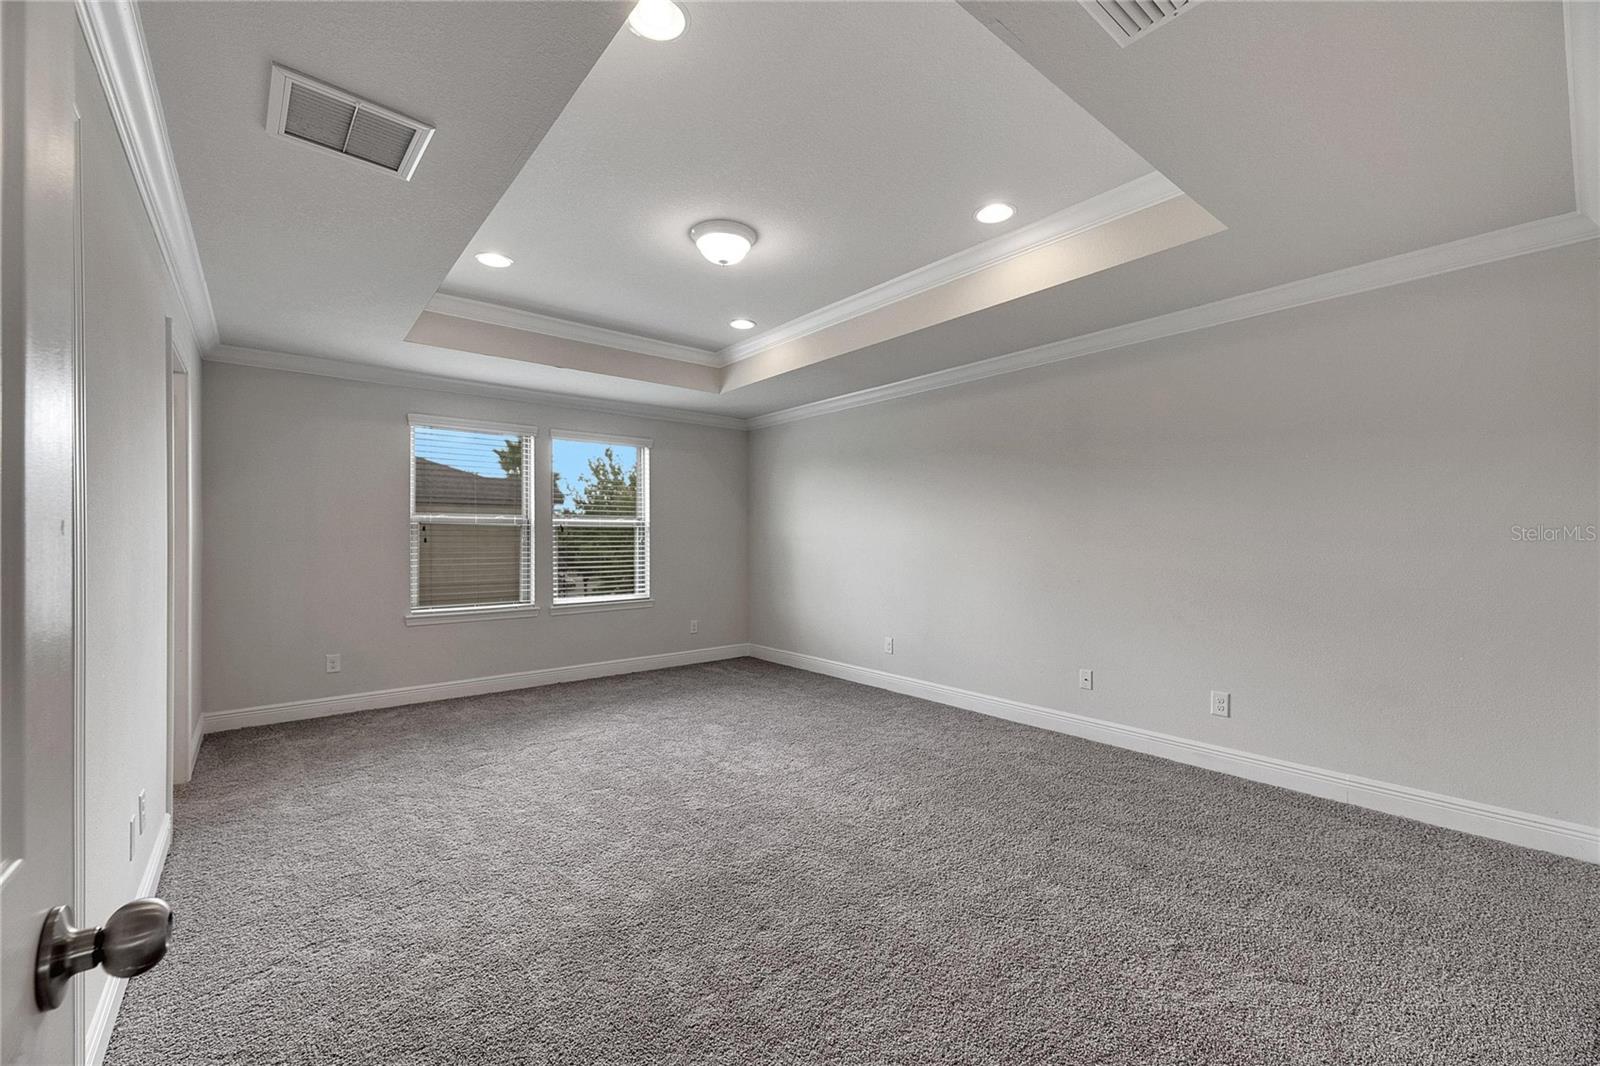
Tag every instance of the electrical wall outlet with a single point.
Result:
(141, 812)
(334, 664)
(1086, 679)
(888, 645)
(133, 836)
(1219, 705)
(694, 625)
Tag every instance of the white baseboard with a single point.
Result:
(1467, 816)
(239, 718)
(97, 1036)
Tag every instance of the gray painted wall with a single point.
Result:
(1313, 510)
(305, 489)
(127, 303)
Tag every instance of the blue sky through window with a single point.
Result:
(570, 459)
(474, 452)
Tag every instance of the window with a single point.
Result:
(600, 495)
(471, 539)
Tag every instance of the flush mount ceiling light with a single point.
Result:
(657, 20)
(989, 214)
(722, 240)
(494, 259)
(742, 323)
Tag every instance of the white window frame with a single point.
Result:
(602, 603)
(416, 615)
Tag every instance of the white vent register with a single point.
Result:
(315, 113)
(1128, 20)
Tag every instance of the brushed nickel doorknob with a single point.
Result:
(133, 939)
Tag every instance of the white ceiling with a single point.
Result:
(841, 133)
(1321, 134)
(308, 252)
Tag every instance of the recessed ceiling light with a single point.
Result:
(742, 323)
(494, 259)
(989, 214)
(722, 240)
(657, 20)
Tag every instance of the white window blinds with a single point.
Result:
(471, 539)
(600, 494)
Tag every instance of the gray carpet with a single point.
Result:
(740, 863)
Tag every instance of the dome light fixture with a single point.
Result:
(989, 214)
(657, 20)
(722, 240)
(494, 259)
(743, 323)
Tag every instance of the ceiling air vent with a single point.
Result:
(311, 112)
(1128, 20)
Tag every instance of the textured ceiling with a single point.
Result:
(857, 138)
(312, 253)
(1321, 134)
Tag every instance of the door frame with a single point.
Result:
(80, 525)
(180, 570)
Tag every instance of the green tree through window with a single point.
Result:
(601, 539)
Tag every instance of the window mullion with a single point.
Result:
(448, 519)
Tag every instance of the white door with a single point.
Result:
(38, 337)
(48, 312)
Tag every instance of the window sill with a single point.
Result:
(468, 614)
(602, 605)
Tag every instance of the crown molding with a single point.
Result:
(532, 322)
(116, 42)
(1583, 91)
(1542, 235)
(1136, 195)
(1530, 237)
(373, 374)
(1125, 199)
